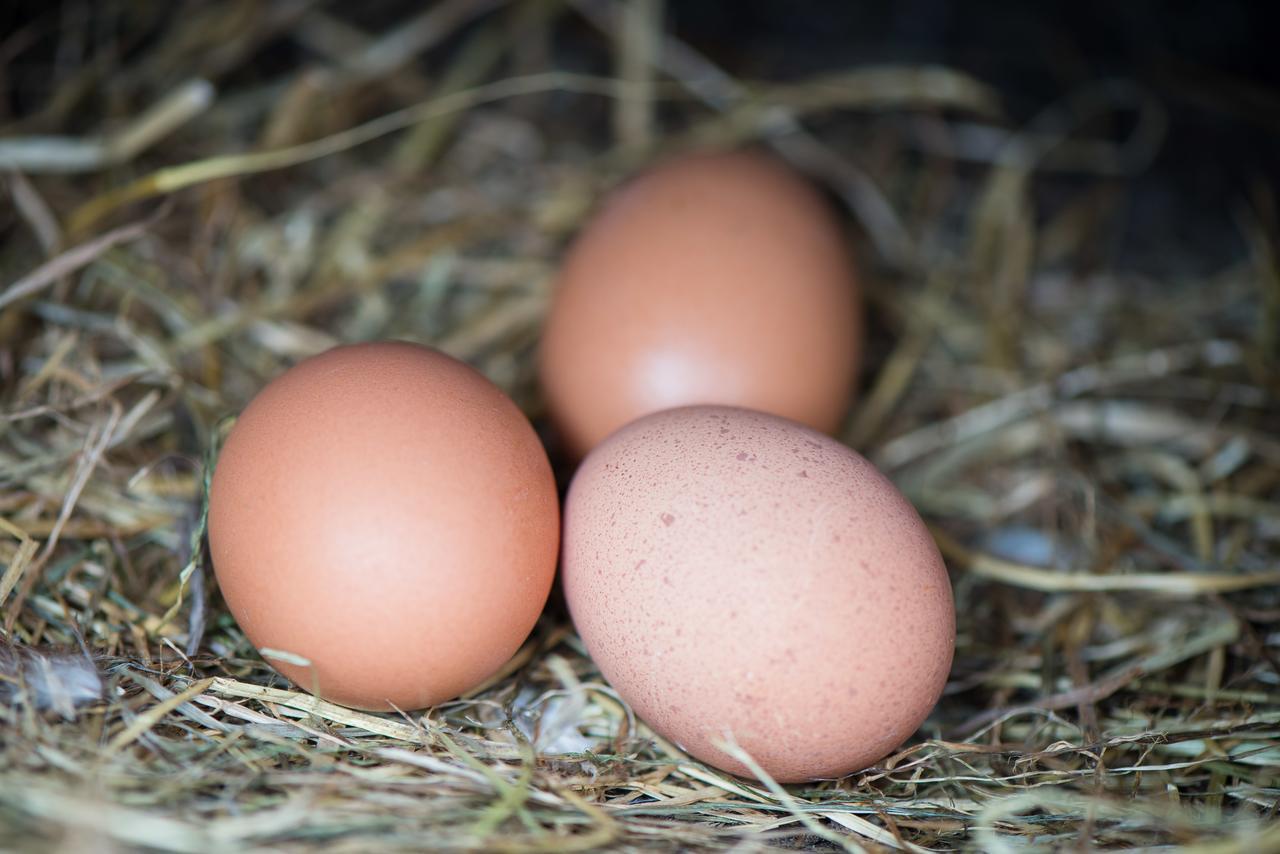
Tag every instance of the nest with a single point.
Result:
(199, 198)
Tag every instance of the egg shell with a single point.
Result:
(733, 572)
(385, 513)
(712, 278)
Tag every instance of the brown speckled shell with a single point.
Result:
(388, 514)
(712, 278)
(732, 571)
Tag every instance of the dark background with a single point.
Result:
(1212, 65)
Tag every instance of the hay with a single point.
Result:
(1096, 454)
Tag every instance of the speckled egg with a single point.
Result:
(384, 525)
(736, 574)
(717, 277)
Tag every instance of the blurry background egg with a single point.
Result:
(712, 278)
(384, 525)
(735, 573)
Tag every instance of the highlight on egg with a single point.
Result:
(384, 526)
(712, 278)
(746, 582)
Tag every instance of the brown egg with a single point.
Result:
(384, 526)
(713, 278)
(735, 573)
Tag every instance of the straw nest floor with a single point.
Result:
(233, 186)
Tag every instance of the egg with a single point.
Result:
(741, 579)
(384, 526)
(714, 278)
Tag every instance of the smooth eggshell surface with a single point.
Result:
(735, 572)
(387, 514)
(711, 278)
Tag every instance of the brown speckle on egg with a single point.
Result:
(817, 626)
